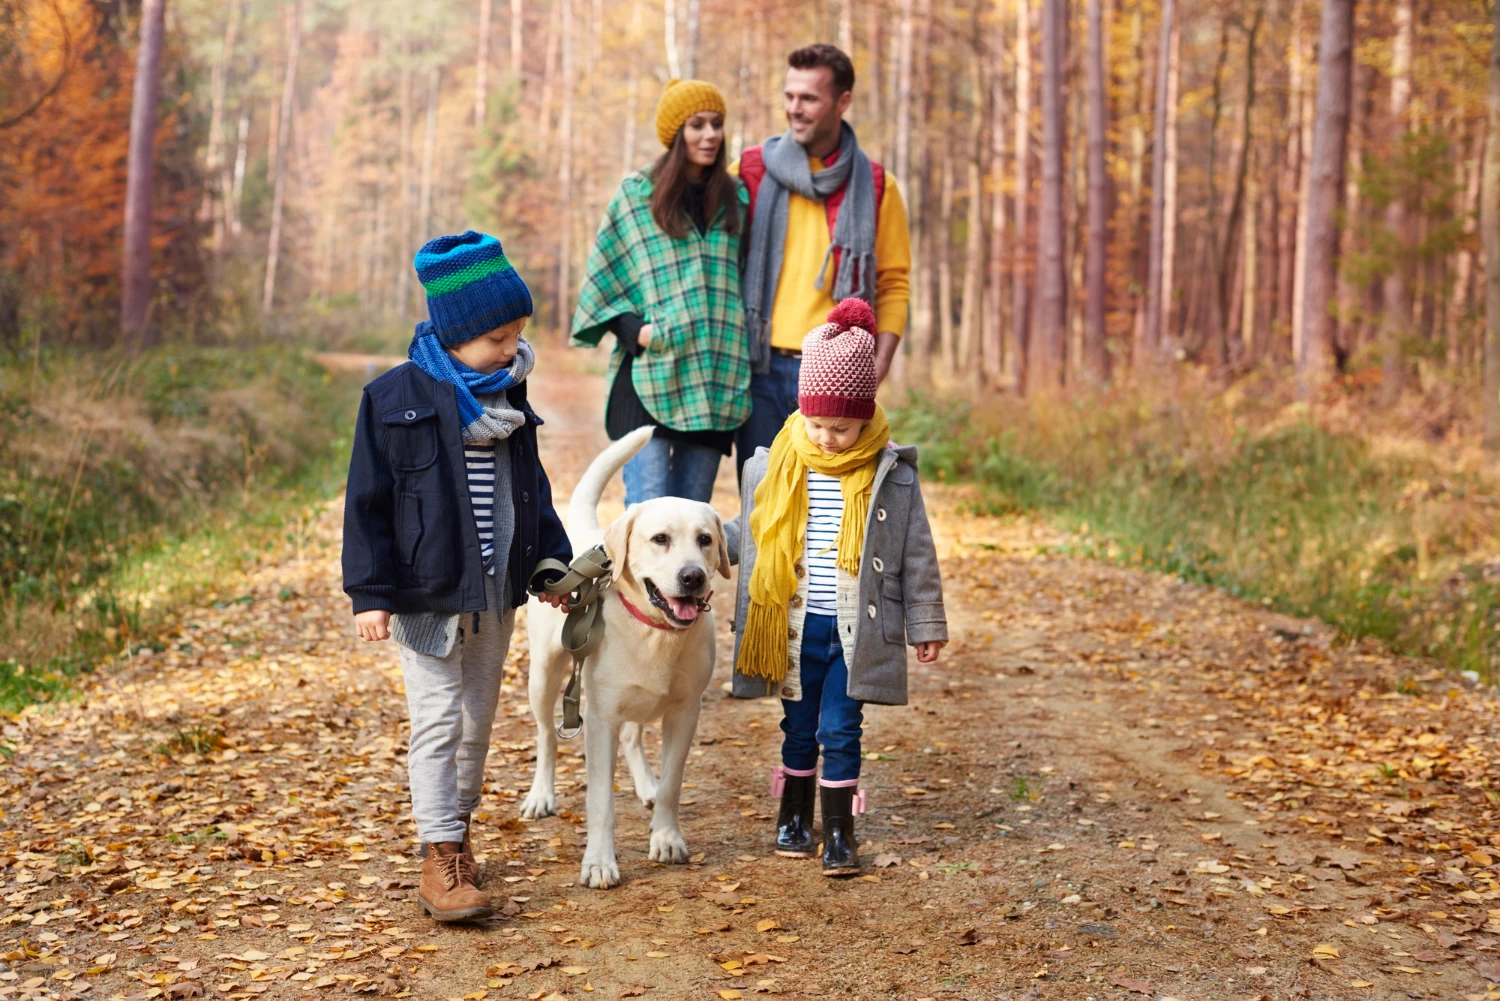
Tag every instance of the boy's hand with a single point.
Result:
(643, 337)
(373, 625)
(927, 653)
(558, 601)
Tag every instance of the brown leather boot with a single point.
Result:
(468, 849)
(447, 891)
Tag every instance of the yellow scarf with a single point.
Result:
(779, 527)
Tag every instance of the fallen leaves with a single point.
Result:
(1131, 984)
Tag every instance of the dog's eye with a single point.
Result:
(704, 541)
(661, 538)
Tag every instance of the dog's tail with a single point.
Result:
(583, 508)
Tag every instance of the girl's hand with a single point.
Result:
(373, 625)
(558, 601)
(643, 337)
(927, 653)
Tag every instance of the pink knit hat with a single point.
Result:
(838, 364)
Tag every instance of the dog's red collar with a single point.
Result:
(648, 620)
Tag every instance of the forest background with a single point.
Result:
(1204, 280)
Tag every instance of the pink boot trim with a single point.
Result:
(779, 774)
(858, 803)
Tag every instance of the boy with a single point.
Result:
(447, 514)
(838, 572)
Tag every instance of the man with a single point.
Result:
(826, 223)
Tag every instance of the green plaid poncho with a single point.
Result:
(695, 373)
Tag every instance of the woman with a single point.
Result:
(663, 277)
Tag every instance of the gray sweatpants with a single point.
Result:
(452, 705)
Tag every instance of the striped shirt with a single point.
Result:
(825, 510)
(480, 460)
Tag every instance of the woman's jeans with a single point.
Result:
(666, 468)
(826, 715)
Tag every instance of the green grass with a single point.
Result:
(1391, 543)
(128, 484)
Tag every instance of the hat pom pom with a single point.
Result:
(853, 312)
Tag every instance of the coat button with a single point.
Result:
(410, 415)
(528, 553)
(870, 611)
(787, 692)
(800, 570)
(878, 565)
(525, 497)
(880, 514)
(791, 634)
(796, 601)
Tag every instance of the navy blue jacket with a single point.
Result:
(410, 542)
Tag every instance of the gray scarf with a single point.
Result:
(496, 420)
(788, 169)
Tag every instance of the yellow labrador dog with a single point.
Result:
(654, 662)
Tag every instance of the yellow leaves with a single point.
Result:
(1325, 951)
(1055, 847)
(1212, 866)
(657, 955)
(1361, 983)
(666, 908)
(575, 971)
(730, 994)
(767, 924)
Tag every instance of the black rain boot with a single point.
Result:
(839, 855)
(794, 836)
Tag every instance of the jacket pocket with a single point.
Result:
(892, 609)
(408, 528)
(411, 438)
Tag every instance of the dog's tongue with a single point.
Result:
(683, 609)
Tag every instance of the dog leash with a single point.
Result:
(585, 580)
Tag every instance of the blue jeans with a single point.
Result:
(773, 397)
(671, 469)
(826, 715)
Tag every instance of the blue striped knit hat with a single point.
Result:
(471, 287)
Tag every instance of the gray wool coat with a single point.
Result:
(896, 600)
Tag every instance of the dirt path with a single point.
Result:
(1114, 785)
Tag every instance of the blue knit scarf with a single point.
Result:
(481, 423)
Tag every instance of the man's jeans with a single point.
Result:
(826, 715)
(773, 397)
(671, 469)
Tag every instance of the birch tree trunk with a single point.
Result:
(1051, 277)
(565, 175)
(690, 55)
(216, 141)
(873, 90)
(1305, 117)
(1326, 170)
(517, 36)
(627, 159)
(902, 159)
(1169, 197)
(1017, 360)
(1463, 261)
(135, 281)
(942, 243)
(1490, 220)
(482, 65)
(1248, 277)
(1396, 310)
(669, 30)
(1095, 359)
(232, 176)
(278, 196)
(971, 330)
(1161, 222)
(429, 150)
(846, 27)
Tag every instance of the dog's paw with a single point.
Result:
(646, 793)
(600, 874)
(539, 803)
(668, 846)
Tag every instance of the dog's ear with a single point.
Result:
(617, 542)
(723, 548)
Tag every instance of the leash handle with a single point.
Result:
(584, 580)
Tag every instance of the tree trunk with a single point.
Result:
(993, 353)
(1463, 262)
(924, 229)
(135, 282)
(1248, 288)
(846, 27)
(232, 176)
(1017, 350)
(216, 142)
(690, 55)
(517, 36)
(902, 158)
(1305, 118)
(1223, 264)
(1396, 311)
(1169, 197)
(1051, 277)
(403, 175)
(971, 329)
(429, 151)
(1335, 60)
(1349, 290)
(1490, 218)
(633, 112)
(875, 100)
(482, 65)
(669, 39)
(1162, 222)
(1095, 359)
(278, 196)
(943, 245)
(565, 176)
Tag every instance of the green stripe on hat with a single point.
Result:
(474, 272)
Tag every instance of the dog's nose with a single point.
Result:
(692, 578)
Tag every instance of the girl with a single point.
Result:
(839, 571)
(663, 277)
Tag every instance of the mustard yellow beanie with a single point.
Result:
(681, 100)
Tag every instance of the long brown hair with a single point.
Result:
(669, 182)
